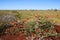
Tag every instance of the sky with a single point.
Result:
(29, 4)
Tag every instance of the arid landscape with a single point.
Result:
(30, 24)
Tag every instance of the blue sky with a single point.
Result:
(29, 4)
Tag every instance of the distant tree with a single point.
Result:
(55, 9)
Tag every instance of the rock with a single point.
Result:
(8, 17)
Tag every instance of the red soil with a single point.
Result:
(57, 28)
(22, 37)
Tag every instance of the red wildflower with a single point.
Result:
(57, 28)
(38, 31)
(46, 16)
(36, 16)
(23, 21)
(47, 30)
(15, 23)
(33, 34)
(28, 38)
(36, 38)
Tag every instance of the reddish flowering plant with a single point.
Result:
(32, 34)
(23, 21)
(38, 30)
(57, 28)
(15, 23)
(46, 16)
(36, 38)
(54, 21)
(7, 30)
(36, 16)
(28, 38)
(47, 30)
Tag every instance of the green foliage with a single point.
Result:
(4, 26)
(41, 24)
(16, 14)
(32, 26)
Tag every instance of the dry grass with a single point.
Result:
(24, 14)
